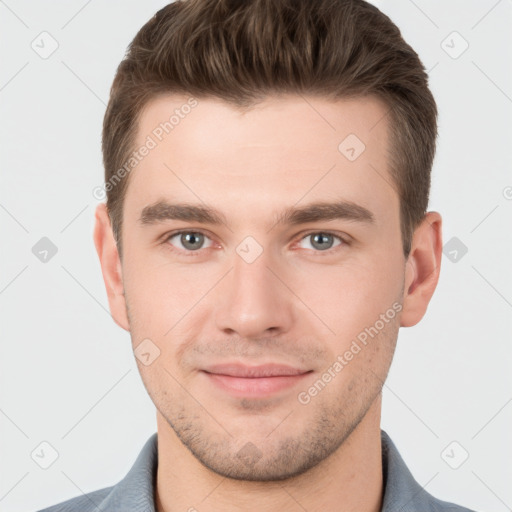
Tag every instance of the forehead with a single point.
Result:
(299, 121)
(284, 150)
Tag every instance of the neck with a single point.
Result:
(349, 480)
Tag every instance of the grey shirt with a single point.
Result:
(135, 492)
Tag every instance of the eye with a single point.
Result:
(322, 241)
(193, 241)
(188, 241)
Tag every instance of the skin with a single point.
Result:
(295, 304)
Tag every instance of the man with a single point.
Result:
(265, 236)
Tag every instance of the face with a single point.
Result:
(263, 274)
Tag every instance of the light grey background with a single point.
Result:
(68, 375)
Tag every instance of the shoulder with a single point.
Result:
(135, 492)
(90, 502)
(436, 505)
(402, 492)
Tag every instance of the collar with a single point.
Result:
(401, 491)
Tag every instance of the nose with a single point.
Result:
(252, 301)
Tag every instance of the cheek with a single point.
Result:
(160, 293)
(347, 296)
(350, 296)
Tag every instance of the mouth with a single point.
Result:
(254, 381)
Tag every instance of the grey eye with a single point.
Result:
(322, 241)
(192, 241)
(189, 240)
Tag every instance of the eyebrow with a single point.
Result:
(315, 212)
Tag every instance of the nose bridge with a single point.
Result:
(251, 301)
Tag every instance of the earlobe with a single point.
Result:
(111, 268)
(422, 269)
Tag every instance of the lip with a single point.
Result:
(254, 381)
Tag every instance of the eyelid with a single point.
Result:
(342, 236)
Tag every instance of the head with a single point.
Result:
(267, 168)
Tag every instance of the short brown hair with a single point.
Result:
(242, 50)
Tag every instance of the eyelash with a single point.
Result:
(199, 252)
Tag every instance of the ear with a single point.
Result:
(110, 262)
(422, 269)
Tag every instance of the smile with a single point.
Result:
(254, 381)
